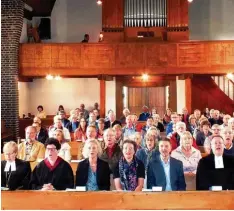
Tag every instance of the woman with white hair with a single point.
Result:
(187, 153)
(157, 122)
(15, 173)
(175, 139)
(227, 135)
(93, 172)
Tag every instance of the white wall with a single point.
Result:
(23, 98)
(110, 96)
(211, 20)
(68, 92)
(180, 89)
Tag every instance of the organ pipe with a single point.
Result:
(145, 13)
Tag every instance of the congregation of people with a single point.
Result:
(132, 153)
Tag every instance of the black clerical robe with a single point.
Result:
(208, 175)
(60, 175)
(18, 179)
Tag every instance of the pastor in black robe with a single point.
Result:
(208, 176)
(18, 179)
(60, 175)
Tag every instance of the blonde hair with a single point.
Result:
(61, 131)
(10, 145)
(186, 134)
(86, 150)
(109, 130)
(117, 127)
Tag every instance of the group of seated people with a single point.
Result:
(135, 157)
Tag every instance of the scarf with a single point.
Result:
(128, 174)
(149, 156)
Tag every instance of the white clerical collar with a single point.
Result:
(10, 164)
(219, 162)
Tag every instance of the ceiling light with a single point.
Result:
(49, 77)
(145, 77)
(190, 1)
(99, 2)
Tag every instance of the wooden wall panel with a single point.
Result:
(119, 97)
(216, 57)
(149, 96)
(172, 96)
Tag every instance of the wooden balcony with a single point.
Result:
(76, 59)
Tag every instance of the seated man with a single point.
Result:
(175, 138)
(174, 120)
(53, 173)
(73, 124)
(228, 135)
(215, 129)
(225, 121)
(42, 133)
(149, 123)
(216, 119)
(58, 125)
(128, 129)
(126, 112)
(112, 121)
(92, 120)
(96, 113)
(84, 111)
(15, 173)
(63, 118)
(216, 169)
(145, 114)
(165, 171)
(31, 150)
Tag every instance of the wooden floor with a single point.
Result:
(54, 200)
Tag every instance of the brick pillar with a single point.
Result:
(12, 23)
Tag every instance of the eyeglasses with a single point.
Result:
(9, 154)
(51, 149)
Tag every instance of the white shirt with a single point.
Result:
(219, 162)
(66, 133)
(10, 164)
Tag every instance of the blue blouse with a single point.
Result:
(92, 181)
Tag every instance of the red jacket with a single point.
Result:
(174, 142)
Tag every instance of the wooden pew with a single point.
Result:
(55, 200)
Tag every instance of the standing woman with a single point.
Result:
(80, 132)
(65, 151)
(130, 172)
(93, 172)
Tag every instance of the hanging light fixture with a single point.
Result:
(99, 2)
(190, 1)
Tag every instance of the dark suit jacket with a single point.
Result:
(108, 124)
(42, 136)
(144, 116)
(156, 175)
(103, 174)
(114, 160)
(65, 122)
(18, 179)
(215, 121)
(69, 126)
(208, 175)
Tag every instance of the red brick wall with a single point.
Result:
(12, 22)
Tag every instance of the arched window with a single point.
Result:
(145, 13)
